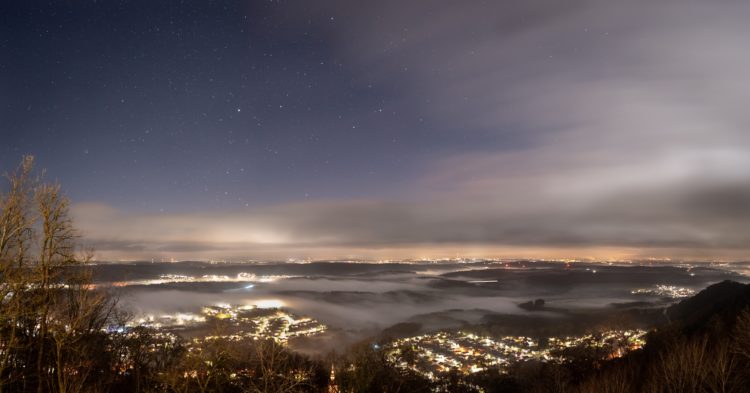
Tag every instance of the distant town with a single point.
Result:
(429, 355)
(432, 354)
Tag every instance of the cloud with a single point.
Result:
(709, 218)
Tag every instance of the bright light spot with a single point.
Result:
(268, 303)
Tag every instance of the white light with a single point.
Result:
(269, 303)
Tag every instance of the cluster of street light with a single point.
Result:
(262, 319)
(433, 354)
(276, 324)
(183, 278)
(670, 291)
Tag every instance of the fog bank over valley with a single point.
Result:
(362, 300)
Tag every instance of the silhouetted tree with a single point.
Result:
(366, 368)
(51, 335)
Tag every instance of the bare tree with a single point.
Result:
(56, 250)
(51, 320)
(79, 318)
(619, 379)
(742, 334)
(16, 234)
(16, 219)
(276, 371)
(681, 367)
(722, 369)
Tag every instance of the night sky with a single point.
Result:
(383, 129)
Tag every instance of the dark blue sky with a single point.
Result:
(209, 104)
(240, 128)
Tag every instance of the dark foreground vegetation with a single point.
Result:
(59, 333)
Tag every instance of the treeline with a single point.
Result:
(58, 333)
(705, 348)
